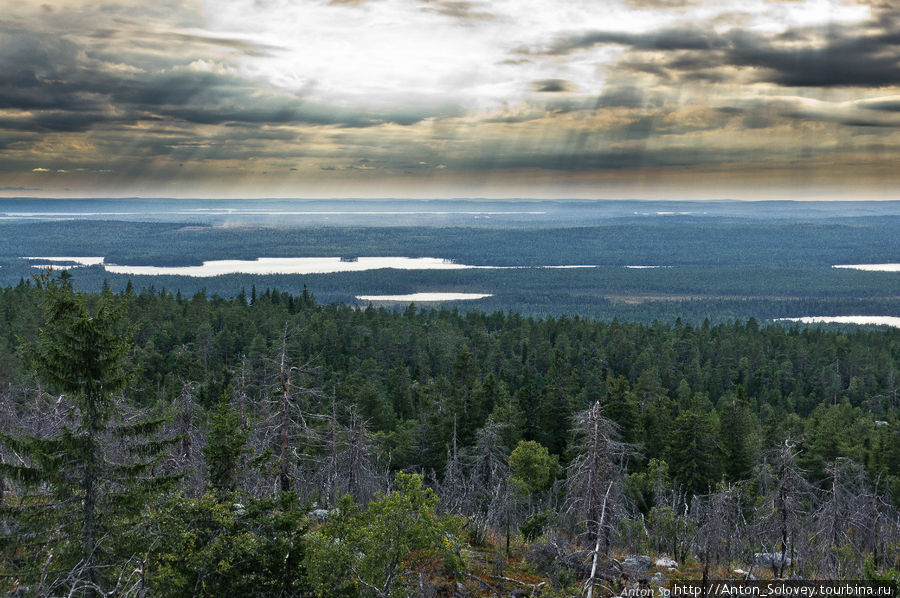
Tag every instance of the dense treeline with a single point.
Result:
(692, 293)
(796, 241)
(708, 443)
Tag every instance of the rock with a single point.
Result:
(319, 514)
(771, 559)
(637, 566)
(658, 579)
(666, 562)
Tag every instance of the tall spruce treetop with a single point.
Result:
(82, 354)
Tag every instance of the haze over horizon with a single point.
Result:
(644, 99)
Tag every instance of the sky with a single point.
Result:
(655, 99)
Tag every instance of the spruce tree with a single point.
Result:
(736, 436)
(694, 448)
(89, 479)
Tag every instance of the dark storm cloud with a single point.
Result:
(883, 105)
(596, 161)
(58, 121)
(678, 38)
(37, 72)
(553, 86)
(765, 112)
(61, 87)
(628, 96)
(845, 59)
(837, 56)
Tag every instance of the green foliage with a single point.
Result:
(82, 353)
(532, 466)
(225, 447)
(411, 374)
(737, 434)
(620, 406)
(80, 500)
(645, 487)
(536, 525)
(694, 449)
(381, 550)
(210, 547)
(669, 532)
(872, 573)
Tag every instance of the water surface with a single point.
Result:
(871, 267)
(863, 320)
(424, 297)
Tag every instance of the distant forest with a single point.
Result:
(760, 268)
(268, 444)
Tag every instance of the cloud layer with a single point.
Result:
(448, 98)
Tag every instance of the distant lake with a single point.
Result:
(871, 267)
(81, 261)
(424, 297)
(873, 320)
(280, 265)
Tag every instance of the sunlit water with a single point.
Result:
(872, 320)
(290, 265)
(424, 297)
(54, 261)
(871, 267)
(282, 265)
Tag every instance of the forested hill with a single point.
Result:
(698, 407)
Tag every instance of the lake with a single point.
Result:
(863, 320)
(281, 265)
(424, 297)
(871, 267)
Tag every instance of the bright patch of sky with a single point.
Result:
(480, 55)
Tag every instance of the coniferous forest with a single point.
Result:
(154, 444)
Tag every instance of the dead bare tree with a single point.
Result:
(789, 498)
(720, 525)
(186, 457)
(339, 458)
(452, 488)
(594, 480)
(850, 523)
(281, 424)
(488, 481)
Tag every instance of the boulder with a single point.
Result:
(666, 562)
(636, 566)
(658, 579)
(320, 514)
